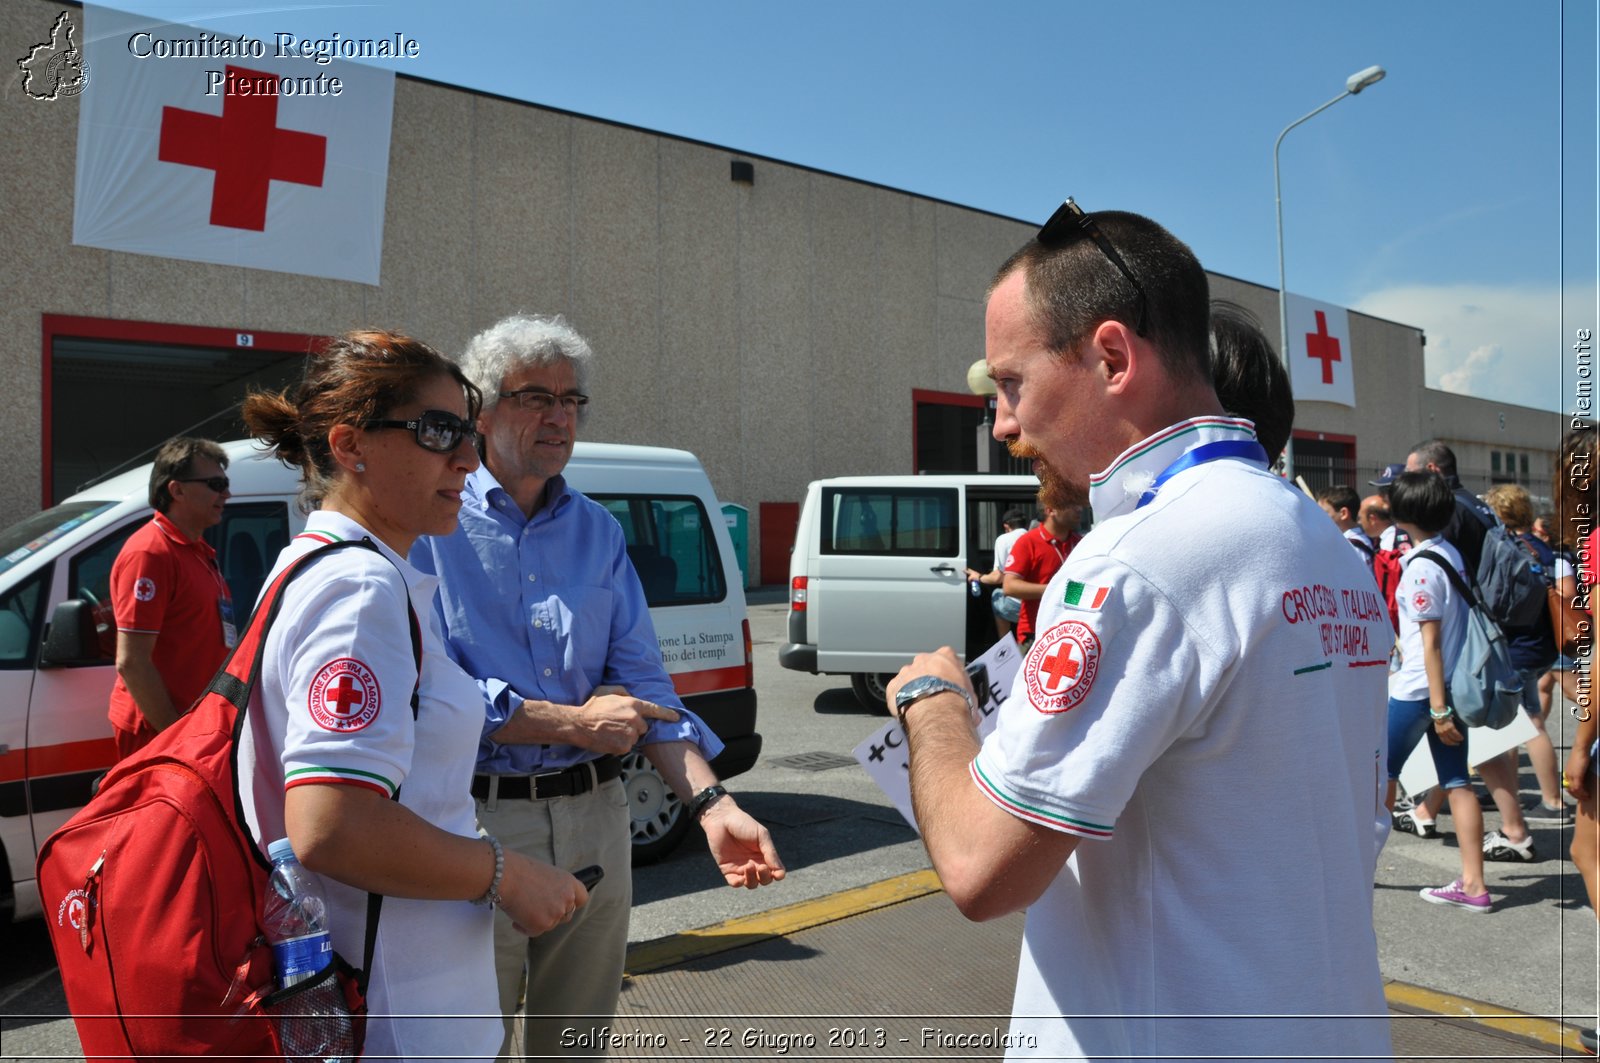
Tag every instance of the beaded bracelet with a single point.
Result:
(1445, 715)
(491, 897)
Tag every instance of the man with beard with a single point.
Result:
(1211, 644)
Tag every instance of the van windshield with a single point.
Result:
(31, 534)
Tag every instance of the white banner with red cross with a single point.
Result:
(196, 145)
(1320, 365)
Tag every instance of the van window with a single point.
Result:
(904, 521)
(248, 542)
(89, 578)
(672, 547)
(32, 533)
(19, 620)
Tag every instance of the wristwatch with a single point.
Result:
(926, 686)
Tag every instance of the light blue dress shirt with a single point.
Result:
(547, 608)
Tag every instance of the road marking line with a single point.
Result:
(649, 956)
(654, 955)
(1544, 1030)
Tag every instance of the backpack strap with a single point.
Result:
(1469, 591)
(236, 681)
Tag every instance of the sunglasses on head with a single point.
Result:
(219, 484)
(435, 430)
(1068, 225)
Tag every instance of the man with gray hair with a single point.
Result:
(540, 603)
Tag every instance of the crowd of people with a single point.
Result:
(1164, 687)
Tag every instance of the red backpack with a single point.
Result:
(154, 890)
(1386, 570)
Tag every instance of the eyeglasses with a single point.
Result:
(1068, 225)
(219, 484)
(436, 430)
(540, 400)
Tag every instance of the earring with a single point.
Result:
(361, 466)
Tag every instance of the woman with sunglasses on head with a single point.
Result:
(381, 428)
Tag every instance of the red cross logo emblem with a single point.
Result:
(1422, 602)
(344, 696)
(244, 147)
(1324, 347)
(1061, 667)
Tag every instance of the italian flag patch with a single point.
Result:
(1083, 596)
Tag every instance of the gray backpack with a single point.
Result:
(1485, 687)
(1511, 581)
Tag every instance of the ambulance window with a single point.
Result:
(908, 522)
(672, 546)
(247, 542)
(19, 620)
(89, 578)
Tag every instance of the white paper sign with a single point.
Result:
(1417, 774)
(883, 753)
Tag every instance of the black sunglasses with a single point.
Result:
(436, 430)
(219, 484)
(1070, 224)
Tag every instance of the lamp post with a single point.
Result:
(979, 384)
(1352, 85)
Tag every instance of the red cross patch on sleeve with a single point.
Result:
(1061, 667)
(344, 696)
(1421, 602)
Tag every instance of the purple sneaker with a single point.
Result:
(1453, 895)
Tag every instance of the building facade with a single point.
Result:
(782, 323)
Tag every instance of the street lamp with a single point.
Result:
(981, 385)
(1352, 85)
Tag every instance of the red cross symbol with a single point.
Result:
(1061, 667)
(246, 149)
(346, 694)
(1321, 345)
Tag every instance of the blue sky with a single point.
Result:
(1458, 195)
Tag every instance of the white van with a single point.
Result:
(878, 572)
(58, 639)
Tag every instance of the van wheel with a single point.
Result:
(871, 689)
(659, 819)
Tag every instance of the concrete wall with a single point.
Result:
(776, 329)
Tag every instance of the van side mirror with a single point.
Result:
(71, 639)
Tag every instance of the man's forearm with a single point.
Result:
(682, 766)
(1022, 590)
(149, 693)
(536, 722)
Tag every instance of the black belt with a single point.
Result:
(568, 782)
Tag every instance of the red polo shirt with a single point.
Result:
(166, 584)
(1036, 556)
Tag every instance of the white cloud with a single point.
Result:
(1505, 344)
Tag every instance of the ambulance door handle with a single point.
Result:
(943, 570)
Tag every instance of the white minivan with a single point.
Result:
(58, 638)
(878, 572)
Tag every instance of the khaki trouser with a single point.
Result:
(574, 972)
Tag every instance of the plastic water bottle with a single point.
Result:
(314, 1024)
(296, 918)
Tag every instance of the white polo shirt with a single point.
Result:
(334, 707)
(1426, 593)
(1218, 649)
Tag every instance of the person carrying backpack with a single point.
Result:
(1432, 631)
(1514, 589)
(372, 797)
(1533, 651)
